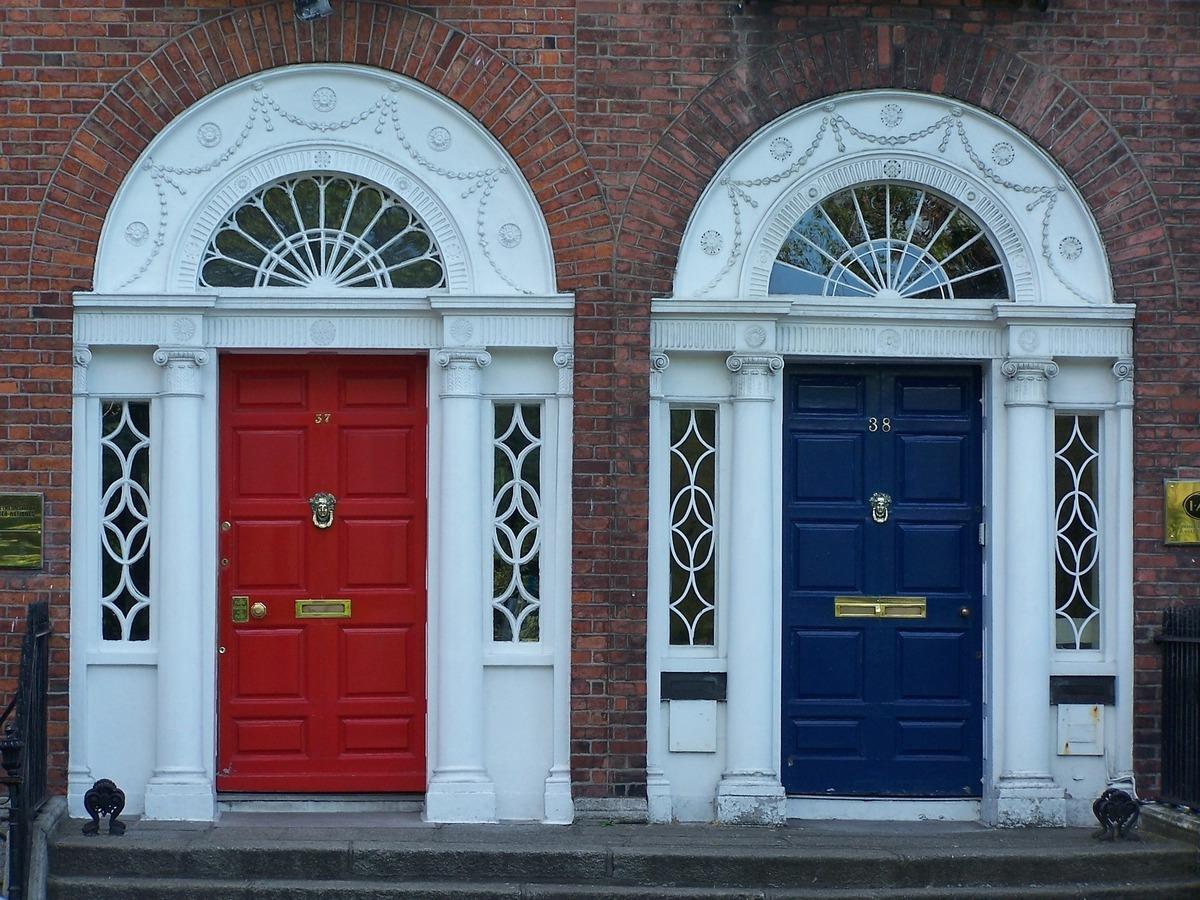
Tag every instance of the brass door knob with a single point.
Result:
(258, 610)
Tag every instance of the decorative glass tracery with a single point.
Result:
(1077, 518)
(125, 521)
(693, 526)
(517, 523)
(322, 231)
(889, 241)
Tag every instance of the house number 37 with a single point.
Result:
(873, 424)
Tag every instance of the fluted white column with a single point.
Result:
(79, 773)
(460, 789)
(180, 787)
(660, 808)
(750, 791)
(1122, 597)
(1026, 792)
(559, 808)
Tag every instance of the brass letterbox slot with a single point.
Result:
(322, 609)
(20, 531)
(879, 607)
(240, 611)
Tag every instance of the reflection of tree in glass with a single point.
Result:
(891, 241)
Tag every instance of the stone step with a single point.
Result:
(249, 857)
(138, 888)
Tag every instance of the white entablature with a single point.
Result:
(368, 123)
(1031, 212)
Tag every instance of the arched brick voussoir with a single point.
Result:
(387, 36)
(806, 67)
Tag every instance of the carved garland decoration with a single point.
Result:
(740, 192)
(388, 115)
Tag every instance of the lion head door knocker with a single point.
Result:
(881, 505)
(322, 503)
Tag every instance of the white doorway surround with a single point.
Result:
(1054, 350)
(149, 342)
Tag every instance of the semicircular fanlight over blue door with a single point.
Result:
(889, 241)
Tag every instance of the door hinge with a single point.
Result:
(982, 534)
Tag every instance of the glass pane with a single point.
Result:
(693, 476)
(891, 241)
(125, 521)
(323, 231)
(516, 531)
(1077, 543)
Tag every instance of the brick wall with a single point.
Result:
(618, 112)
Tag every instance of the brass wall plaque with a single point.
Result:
(1182, 511)
(322, 609)
(20, 531)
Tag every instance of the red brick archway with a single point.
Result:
(803, 68)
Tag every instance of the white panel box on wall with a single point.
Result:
(1080, 729)
(692, 726)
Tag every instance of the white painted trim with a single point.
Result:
(882, 809)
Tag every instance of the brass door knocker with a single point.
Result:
(881, 504)
(322, 503)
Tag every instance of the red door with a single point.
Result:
(321, 660)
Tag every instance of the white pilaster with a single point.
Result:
(750, 791)
(1026, 793)
(559, 807)
(1121, 598)
(460, 789)
(79, 773)
(180, 788)
(658, 787)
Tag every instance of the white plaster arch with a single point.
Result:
(1040, 223)
(326, 117)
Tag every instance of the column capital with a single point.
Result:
(464, 367)
(81, 357)
(659, 362)
(1028, 380)
(1123, 372)
(564, 359)
(753, 375)
(181, 369)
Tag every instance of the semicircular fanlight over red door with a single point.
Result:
(321, 662)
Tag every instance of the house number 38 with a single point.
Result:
(873, 424)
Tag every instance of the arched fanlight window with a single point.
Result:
(322, 231)
(889, 241)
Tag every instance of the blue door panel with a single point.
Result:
(828, 466)
(930, 558)
(837, 664)
(880, 706)
(827, 557)
(930, 666)
(931, 468)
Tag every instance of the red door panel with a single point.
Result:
(323, 704)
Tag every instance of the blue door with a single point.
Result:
(882, 697)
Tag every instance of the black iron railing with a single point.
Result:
(1180, 640)
(23, 746)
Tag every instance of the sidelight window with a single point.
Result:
(125, 520)
(1077, 543)
(322, 231)
(693, 582)
(889, 241)
(517, 522)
